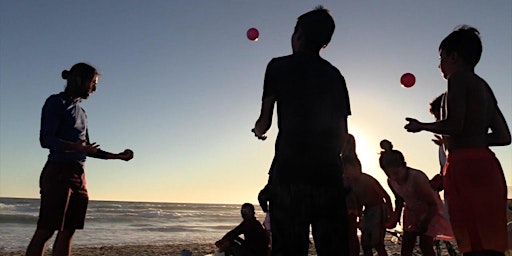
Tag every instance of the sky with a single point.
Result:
(181, 86)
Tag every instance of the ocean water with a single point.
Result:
(118, 223)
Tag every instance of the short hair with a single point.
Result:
(247, 209)
(465, 41)
(317, 26)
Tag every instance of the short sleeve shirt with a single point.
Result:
(312, 101)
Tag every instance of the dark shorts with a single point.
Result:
(64, 196)
(296, 207)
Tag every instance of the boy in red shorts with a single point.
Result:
(471, 122)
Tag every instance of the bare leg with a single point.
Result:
(381, 250)
(38, 243)
(367, 250)
(449, 247)
(62, 245)
(427, 245)
(437, 244)
(408, 243)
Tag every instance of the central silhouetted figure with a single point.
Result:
(306, 185)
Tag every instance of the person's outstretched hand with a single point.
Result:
(258, 135)
(438, 140)
(126, 155)
(413, 125)
(264, 198)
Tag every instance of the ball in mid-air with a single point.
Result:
(407, 80)
(253, 34)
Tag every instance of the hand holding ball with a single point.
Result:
(127, 154)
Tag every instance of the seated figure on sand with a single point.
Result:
(255, 242)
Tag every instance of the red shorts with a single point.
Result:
(477, 199)
(64, 196)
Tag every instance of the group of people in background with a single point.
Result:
(316, 180)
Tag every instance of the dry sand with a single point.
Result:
(176, 249)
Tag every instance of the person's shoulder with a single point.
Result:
(55, 98)
(281, 59)
(463, 78)
(370, 180)
(418, 174)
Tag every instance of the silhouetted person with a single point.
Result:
(470, 123)
(312, 107)
(62, 183)
(255, 242)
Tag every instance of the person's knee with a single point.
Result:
(66, 234)
(366, 247)
(43, 235)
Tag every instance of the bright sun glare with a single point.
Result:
(368, 154)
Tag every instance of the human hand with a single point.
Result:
(438, 140)
(82, 146)
(258, 135)
(221, 245)
(413, 125)
(126, 155)
(391, 221)
(264, 198)
(419, 229)
(389, 225)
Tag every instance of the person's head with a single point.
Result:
(461, 49)
(435, 106)
(247, 210)
(351, 163)
(392, 161)
(313, 30)
(81, 80)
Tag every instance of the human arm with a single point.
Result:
(397, 213)
(265, 119)
(453, 123)
(500, 132)
(126, 155)
(385, 196)
(225, 241)
(269, 98)
(425, 192)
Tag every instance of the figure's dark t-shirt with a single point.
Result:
(312, 101)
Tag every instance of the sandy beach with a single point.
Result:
(197, 249)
